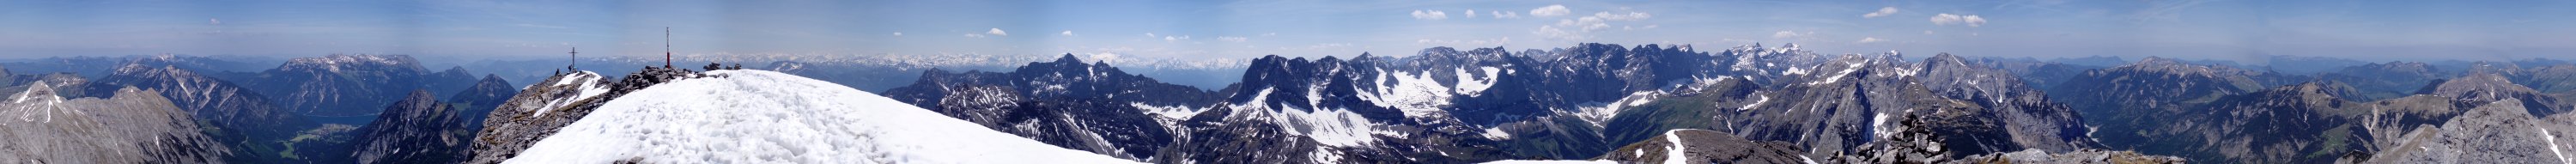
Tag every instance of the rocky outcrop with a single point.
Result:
(479, 100)
(1706, 146)
(2025, 113)
(132, 126)
(1084, 106)
(547, 106)
(418, 129)
(2498, 132)
(2486, 87)
(241, 118)
(2086, 156)
(2289, 124)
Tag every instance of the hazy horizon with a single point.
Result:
(2244, 31)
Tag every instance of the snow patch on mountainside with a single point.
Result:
(1838, 76)
(1417, 95)
(1471, 86)
(1172, 112)
(1673, 155)
(1756, 103)
(43, 106)
(2553, 145)
(742, 116)
(1330, 126)
(1497, 133)
(1599, 114)
(587, 81)
(1878, 125)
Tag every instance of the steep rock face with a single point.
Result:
(2086, 156)
(2290, 124)
(133, 126)
(1915, 146)
(1068, 103)
(1590, 73)
(2129, 98)
(241, 118)
(418, 129)
(8, 78)
(536, 112)
(2391, 119)
(1211, 139)
(2485, 87)
(480, 99)
(1848, 102)
(545, 107)
(2027, 114)
(2496, 132)
(1838, 108)
(218, 101)
(2149, 85)
(351, 85)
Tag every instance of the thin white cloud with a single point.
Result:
(1430, 15)
(1471, 13)
(1550, 10)
(997, 32)
(1149, 35)
(1582, 27)
(1176, 38)
(1871, 40)
(1232, 38)
(1068, 33)
(1881, 12)
(1785, 34)
(1623, 17)
(1948, 19)
(1504, 14)
(213, 21)
(975, 35)
(898, 34)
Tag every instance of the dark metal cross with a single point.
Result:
(576, 58)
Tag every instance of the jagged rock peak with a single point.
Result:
(417, 98)
(1945, 56)
(491, 79)
(39, 92)
(1068, 58)
(2482, 82)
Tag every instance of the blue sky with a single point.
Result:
(2370, 30)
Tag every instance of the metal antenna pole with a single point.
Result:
(666, 47)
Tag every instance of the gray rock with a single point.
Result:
(133, 126)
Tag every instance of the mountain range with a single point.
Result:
(1586, 103)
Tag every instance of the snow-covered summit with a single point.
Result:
(749, 116)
